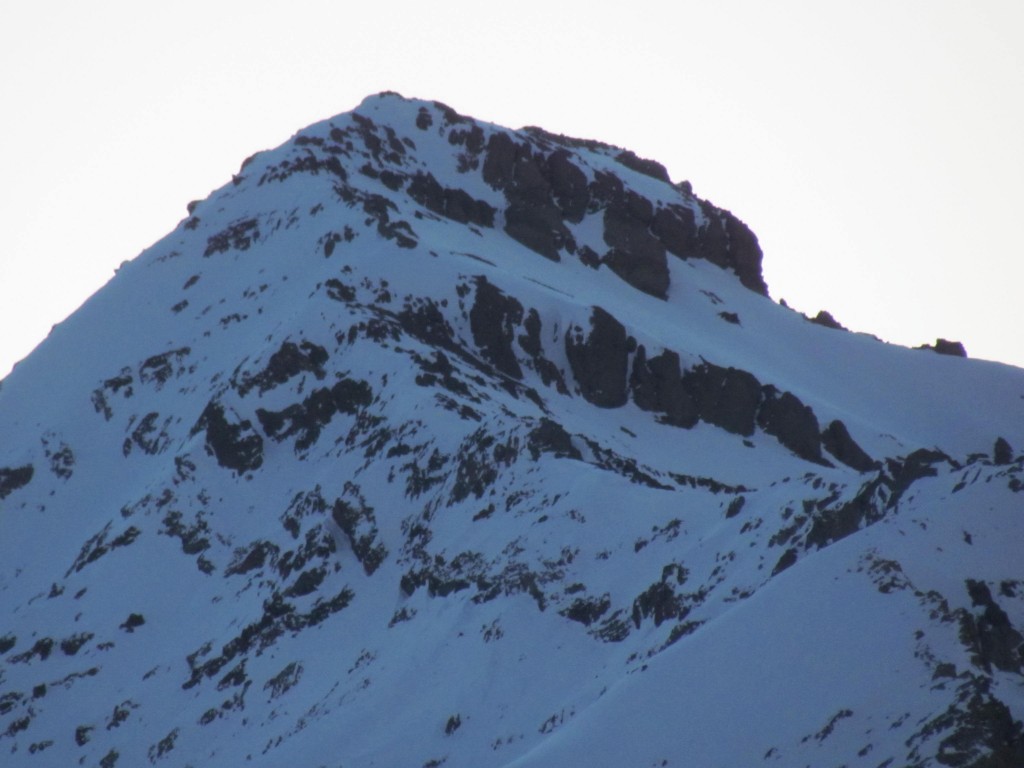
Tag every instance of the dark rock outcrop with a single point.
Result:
(587, 610)
(599, 360)
(288, 361)
(791, 422)
(912, 467)
(550, 437)
(308, 418)
(642, 165)
(1002, 451)
(569, 185)
(530, 343)
(660, 602)
(499, 160)
(837, 441)
(159, 368)
(725, 397)
(946, 347)
(236, 446)
(13, 478)
(835, 523)
(359, 525)
(454, 204)
(493, 320)
(657, 385)
(538, 227)
(994, 641)
(676, 229)
(824, 318)
(545, 189)
(532, 217)
(729, 243)
(636, 255)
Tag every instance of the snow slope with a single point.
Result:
(428, 442)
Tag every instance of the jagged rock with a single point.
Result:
(599, 359)
(946, 347)
(13, 478)
(994, 641)
(258, 554)
(676, 229)
(794, 424)
(660, 602)
(914, 466)
(825, 319)
(729, 243)
(605, 189)
(1002, 451)
(455, 204)
(530, 342)
(787, 560)
(657, 385)
(308, 418)
(587, 610)
(636, 255)
(358, 523)
(236, 446)
(159, 368)
(650, 168)
(287, 362)
(500, 160)
(62, 458)
(569, 185)
(538, 227)
(239, 236)
(550, 437)
(532, 216)
(837, 441)
(833, 524)
(147, 435)
(339, 291)
(977, 730)
(492, 320)
(726, 397)
(425, 321)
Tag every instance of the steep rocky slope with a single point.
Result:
(425, 442)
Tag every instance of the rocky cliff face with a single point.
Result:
(425, 442)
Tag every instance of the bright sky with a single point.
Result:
(874, 147)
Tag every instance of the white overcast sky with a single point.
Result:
(876, 148)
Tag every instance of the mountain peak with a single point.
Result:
(426, 442)
(549, 182)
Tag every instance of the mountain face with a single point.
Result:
(427, 442)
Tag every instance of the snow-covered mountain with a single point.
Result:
(427, 442)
